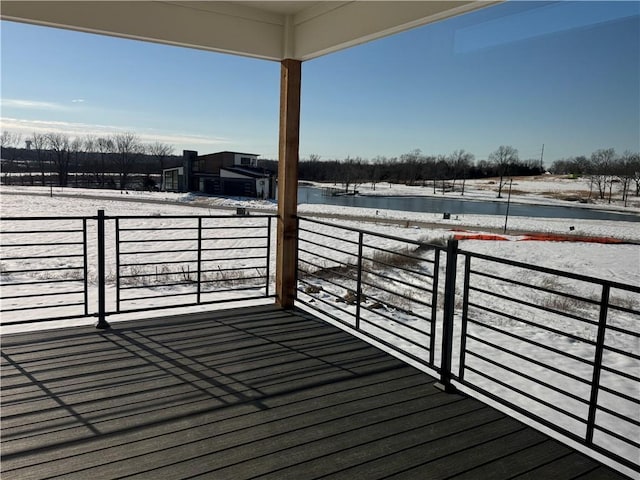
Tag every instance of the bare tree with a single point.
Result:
(9, 142)
(628, 171)
(39, 144)
(502, 159)
(59, 145)
(459, 164)
(601, 172)
(127, 149)
(105, 146)
(160, 151)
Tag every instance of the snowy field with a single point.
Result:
(615, 262)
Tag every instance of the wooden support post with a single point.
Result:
(287, 231)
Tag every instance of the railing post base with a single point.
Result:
(446, 388)
(103, 325)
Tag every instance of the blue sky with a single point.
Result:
(562, 74)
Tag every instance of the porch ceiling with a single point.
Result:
(272, 30)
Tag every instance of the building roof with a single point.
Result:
(234, 153)
(272, 30)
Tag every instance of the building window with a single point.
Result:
(246, 160)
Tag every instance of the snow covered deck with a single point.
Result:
(255, 392)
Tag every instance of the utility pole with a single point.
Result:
(542, 157)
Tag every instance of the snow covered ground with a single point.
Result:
(616, 262)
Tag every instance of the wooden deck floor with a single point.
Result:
(249, 393)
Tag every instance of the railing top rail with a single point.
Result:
(138, 217)
(2, 219)
(135, 217)
(375, 234)
(553, 271)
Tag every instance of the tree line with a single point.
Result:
(602, 170)
(416, 168)
(103, 161)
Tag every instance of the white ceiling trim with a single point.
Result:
(269, 30)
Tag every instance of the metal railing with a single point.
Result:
(383, 286)
(560, 348)
(44, 267)
(66, 268)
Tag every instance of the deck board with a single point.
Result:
(248, 393)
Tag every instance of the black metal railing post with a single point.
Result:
(434, 306)
(465, 314)
(268, 273)
(359, 280)
(597, 363)
(199, 287)
(85, 267)
(447, 320)
(102, 322)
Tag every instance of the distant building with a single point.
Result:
(222, 173)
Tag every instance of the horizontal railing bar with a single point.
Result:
(533, 305)
(182, 272)
(252, 237)
(233, 280)
(41, 282)
(623, 330)
(52, 269)
(222, 290)
(526, 412)
(148, 297)
(336, 263)
(48, 219)
(186, 250)
(48, 244)
(160, 285)
(43, 257)
(40, 307)
(512, 281)
(233, 269)
(324, 280)
(369, 335)
(532, 342)
(31, 295)
(251, 257)
(153, 240)
(399, 267)
(396, 280)
(526, 394)
(154, 229)
(325, 235)
(368, 232)
(398, 294)
(403, 325)
(333, 273)
(48, 319)
(613, 413)
(191, 217)
(533, 324)
(163, 262)
(616, 393)
(626, 440)
(619, 308)
(531, 360)
(22, 232)
(620, 372)
(527, 377)
(325, 247)
(552, 271)
(635, 356)
(247, 247)
(192, 304)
